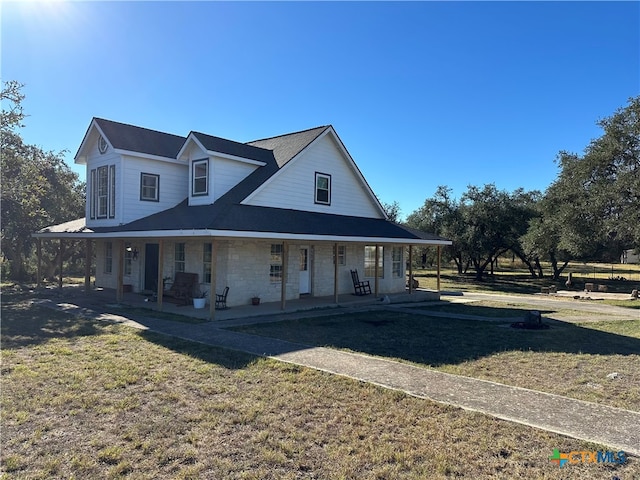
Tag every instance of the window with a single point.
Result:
(342, 255)
(200, 177)
(275, 263)
(149, 187)
(112, 191)
(92, 195)
(103, 192)
(179, 259)
(370, 261)
(108, 257)
(128, 257)
(206, 262)
(102, 144)
(323, 189)
(397, 269)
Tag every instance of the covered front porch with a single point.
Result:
(292, 300)
(99, 298)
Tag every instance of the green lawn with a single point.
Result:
(87, 399)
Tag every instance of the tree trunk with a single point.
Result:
(539, 267)
(526, 261)
(15, 256)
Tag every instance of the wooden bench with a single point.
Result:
(182, 287)
(360, 288)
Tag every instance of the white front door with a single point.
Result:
(305, 284)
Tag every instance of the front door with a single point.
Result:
(305, 284)
(151, 266)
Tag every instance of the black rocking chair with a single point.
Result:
(360, 288)
(221, 300)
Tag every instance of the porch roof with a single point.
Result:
(246, 221)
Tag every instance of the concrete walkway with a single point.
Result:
(616, 428)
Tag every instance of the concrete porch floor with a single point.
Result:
(306, 302)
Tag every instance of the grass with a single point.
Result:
(87, 399)
(569, 359)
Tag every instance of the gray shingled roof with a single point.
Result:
(142, 140)
(285, 147)
(247, 218)
(227, 214)
(222, 145)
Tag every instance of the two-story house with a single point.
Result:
(277, 218)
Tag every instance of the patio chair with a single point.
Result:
(221, 299)
(360, 288)
(182, 287)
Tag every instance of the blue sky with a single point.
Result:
(421, 93)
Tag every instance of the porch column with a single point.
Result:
(120, 278)
(87, 265)
(60, 263)
(377, 280)
(410, 269)
(438, 277)
(160, 287)
(39, 271)
(212, 286)
(335, 273)
(285, 267)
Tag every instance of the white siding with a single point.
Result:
(224, 174)
(227, 174)
(96, 159)
(173, 187)
(294, 186)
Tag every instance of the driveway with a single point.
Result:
(559, 302)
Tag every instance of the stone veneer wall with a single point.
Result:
(243, 266)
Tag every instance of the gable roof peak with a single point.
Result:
(312, 129)
(124, 136)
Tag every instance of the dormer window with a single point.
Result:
(323, 189)
(200, 177)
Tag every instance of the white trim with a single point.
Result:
(213, 153)
(131, 153)
(82, 159)
(240, 234)
(345, 154)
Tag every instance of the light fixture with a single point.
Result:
(133, 251)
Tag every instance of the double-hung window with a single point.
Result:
(397, 268)
(206, 262)
(149, 187)
(179, 257)
(200, 174)
(370, 261)
(342, 255)
(108, 258)
(275, 263)
(323, 189)
(102, 186)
